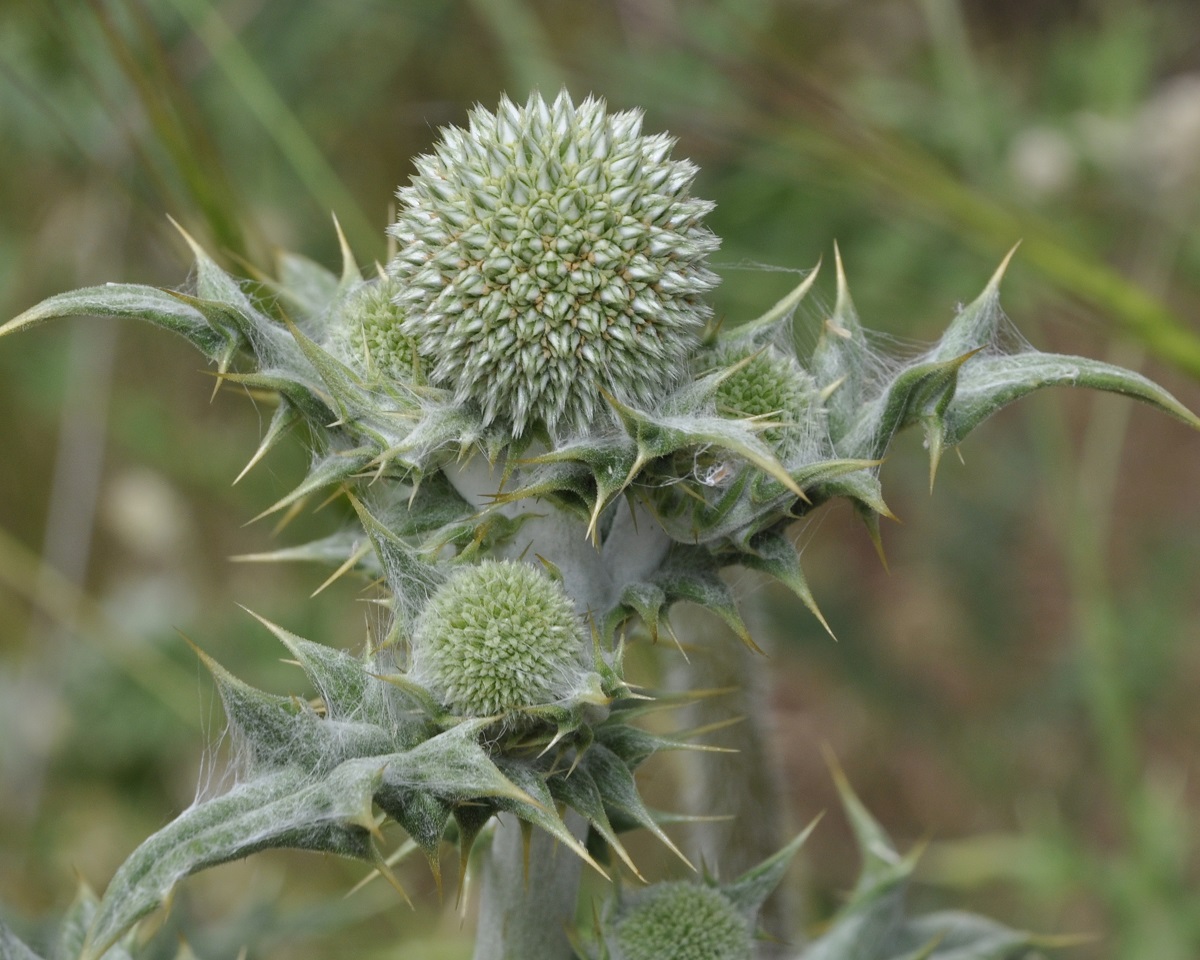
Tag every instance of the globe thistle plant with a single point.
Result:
(551, 254)
(549, 286)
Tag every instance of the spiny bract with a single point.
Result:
(551, 252)
(496, 637)
(682, 921)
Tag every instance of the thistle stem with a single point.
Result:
(529, 894)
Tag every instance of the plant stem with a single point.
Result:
(743, 786)
(529, 894)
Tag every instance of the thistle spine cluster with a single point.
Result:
(550, 253)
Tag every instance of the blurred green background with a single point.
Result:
(1021, 690)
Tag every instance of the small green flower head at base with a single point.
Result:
(681, 921)
(771, 386)
(370, 333)
(497, 637)
(551, 253)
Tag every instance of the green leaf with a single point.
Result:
(540, 810)
(914, 392)
(343, 682)
(11, 947)
(619, 791)
(282, 809)
(160, 307)
(309, 287)
(976, 324)
(331, 551)
(987, 383)
(270, 732)
(454, 766)
(72, 932)
(345, 387)
(751, 889)
(952, 935)
(333, 468)
(286, 416)
(775, 555)
(579, 792)
(691, 573)
(841, 362)
(422, 815)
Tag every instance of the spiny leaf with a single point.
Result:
(333, 549)
(345, 387)
(690, 573)
(882, 865)
(541, 812)
(988, 383)
(422, 814)
(579, 792)
(273, 731)
(73, 931)
(779, 313)
(644, 599)
(160, 307)
(953, 935)
(283, 419)
(309, 287)
(976, 324)
(775, 555)
(342, 680)
(620, 793)
(296, 391)
(916, 390)
(749, 891)
(334, 468)
(403, 566)
(454, 766)
(282, 809)
(11, 947)
(841, 359)
(658, 436)
(213, 283)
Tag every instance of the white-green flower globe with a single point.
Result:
(497, 636)
(682, 921)
(550, 253)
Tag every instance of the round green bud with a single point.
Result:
(682, 921)
(496, 637)
(371, 335)
(772, 386)
(549, 254)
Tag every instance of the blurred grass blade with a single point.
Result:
(270, 109)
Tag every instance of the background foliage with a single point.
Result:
(1021, 687)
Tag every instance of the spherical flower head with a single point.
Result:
(682, 921)
(370, 332)
(496, 637)
(551, 253)
(772, 386)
